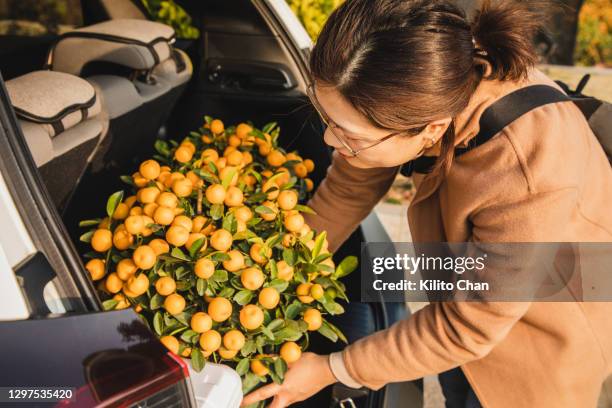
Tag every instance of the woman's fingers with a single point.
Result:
(263, 393)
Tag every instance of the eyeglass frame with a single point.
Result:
(310, 92)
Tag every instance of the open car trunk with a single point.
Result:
(300, 130)
(243, 71)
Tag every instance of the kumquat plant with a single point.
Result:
(211, 248)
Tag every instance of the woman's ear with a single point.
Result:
(435, 130)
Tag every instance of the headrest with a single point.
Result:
(55, 100)
(134, 43)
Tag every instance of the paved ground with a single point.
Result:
(599, 85)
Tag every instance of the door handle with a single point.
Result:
(250, 75)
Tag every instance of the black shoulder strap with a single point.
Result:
(496, 117)
(511, 107)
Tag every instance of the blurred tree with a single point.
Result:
(52, 15)
(559, 46)
(313, 13)
(594, 42)
(168, 12)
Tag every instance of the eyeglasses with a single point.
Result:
(339, 133)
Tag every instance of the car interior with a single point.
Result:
(92, 100)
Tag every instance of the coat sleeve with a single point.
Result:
(445, 335)
(345, 197)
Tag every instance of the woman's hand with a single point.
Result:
(304, 378)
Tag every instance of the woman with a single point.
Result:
(398, 79)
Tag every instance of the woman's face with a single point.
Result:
(359, 133)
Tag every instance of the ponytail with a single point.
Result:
(504, 31)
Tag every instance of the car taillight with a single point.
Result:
(170, 387)
(176, 395)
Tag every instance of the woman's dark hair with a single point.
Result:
(403, 63)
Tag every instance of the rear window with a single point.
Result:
(33, 18)
(27, 30)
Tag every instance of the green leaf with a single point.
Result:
(242, 235)
(249, 382)
(201, 286)
(278, 284)
(290, 256)
(256, 198)
(273, 268)
(109, 304)
(294, 310)
(260, 342)
(229, 223)
(177, 253)
(256, 175)
(318, 245)
(348, 265)
(257, 133)
(268, 127)
(196, 246)
(158, 323)
(275, 324)
(243, 367)
(273, 240)
(183, 318)
(325, 268)
(113, 202)
(336, 330)
(274, 377)
(262, 209)
(184, 285)
(321, 258)
(86, 237)
(220, 275)
(212, 167)
(208, 119)
(89, 223)
(220, 257)
(288, 334)
(216, 211)
(188, 336)
(162, 147)
(305, 209)
(332, 307)
(290, 183)
(127, 180)
(280, 368)
(227, 180)
(206, 176)
(156, 302)
(227, 292)
(182, 272)
(328, 332)
(267, 332)
(248, 348)
(197, 359)
(243, 297)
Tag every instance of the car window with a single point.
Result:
(29, 27)
(33, 18)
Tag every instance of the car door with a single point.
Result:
(57, 344)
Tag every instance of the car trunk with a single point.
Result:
(300, 130)
(227, 85)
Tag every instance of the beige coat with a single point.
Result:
(542, 179)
